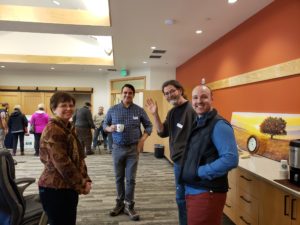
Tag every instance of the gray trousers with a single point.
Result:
(125, 160)
(2, 138)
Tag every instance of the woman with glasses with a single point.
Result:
(65, 173)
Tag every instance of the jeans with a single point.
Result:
(60, 205)
(180, 196)
(125, 160)
(96, 135)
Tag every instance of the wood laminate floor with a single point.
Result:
(154, 195)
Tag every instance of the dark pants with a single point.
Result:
(60, 205)
(205, 208)
(125, 159)
(85, 137)
(96, 135)
(110, 141)
(15, 141)
(37, 138)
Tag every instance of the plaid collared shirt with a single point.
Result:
(132, 118)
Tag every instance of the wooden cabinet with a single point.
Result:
(12, 98)
(30, 101)
(247, 198)
(252, 200)
(278, 207)
(295, 210)
(230, 204)
(47, 103)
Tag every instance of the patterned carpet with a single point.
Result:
(155, 197)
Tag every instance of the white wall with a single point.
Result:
(96, 81)
(99, 82)
(159, 76)
(132, 73)
(154, 77)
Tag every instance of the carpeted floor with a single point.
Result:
(155, 197)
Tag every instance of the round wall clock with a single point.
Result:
(252, 144)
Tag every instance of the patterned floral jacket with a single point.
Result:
(63, 157)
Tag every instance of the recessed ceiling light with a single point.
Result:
(145, 62)
(56, 2)
(99, 69)
(153, 47)
(52, 68)
(198, 31)
(169, 21)
(232, 1)
(2, 66)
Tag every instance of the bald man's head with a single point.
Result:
(202, 99)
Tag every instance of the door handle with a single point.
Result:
(245, 221)
(292, 210)
(245, 178)
(285, 201)
(246, 200)
(229, 206)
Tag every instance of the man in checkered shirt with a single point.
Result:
(128, 142)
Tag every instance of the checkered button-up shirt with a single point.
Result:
(132, 118)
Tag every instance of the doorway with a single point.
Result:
(139, 84)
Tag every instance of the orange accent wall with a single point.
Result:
(270, 37)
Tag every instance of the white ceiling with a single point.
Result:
(136, 25)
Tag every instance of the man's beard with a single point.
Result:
(174, 101)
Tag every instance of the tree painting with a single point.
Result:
(273, 126)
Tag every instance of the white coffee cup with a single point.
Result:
(284, 169)
(120, 127)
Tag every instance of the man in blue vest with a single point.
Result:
(210, 153)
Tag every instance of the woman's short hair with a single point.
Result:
(17, 107)
(41, 106)
(60, 97)
(4, 104)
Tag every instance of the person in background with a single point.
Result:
(17, 124)
(83, 122)
(176, 126)
(65, 173)
(124, 122)
(109, 142)
(3, 123)
(98, 120)
(38, 121)
(211, 152)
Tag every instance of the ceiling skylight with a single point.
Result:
(98, 8)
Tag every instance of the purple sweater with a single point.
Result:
(39, 119)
